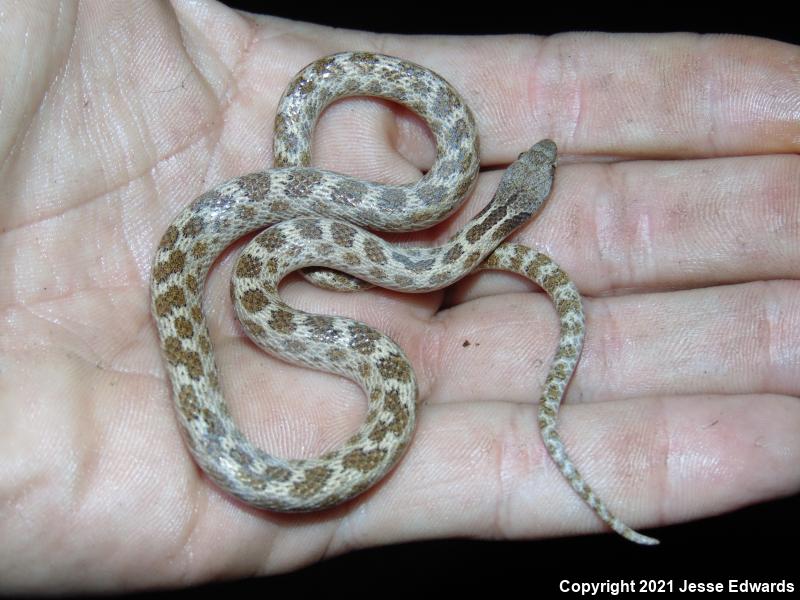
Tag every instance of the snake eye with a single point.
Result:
(520, 155)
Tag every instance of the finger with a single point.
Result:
(644, 226)
(647, 225)
(723, 340)
(673, 95)
(483, 470)
(621, 95)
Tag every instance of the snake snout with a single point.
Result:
(542, 152)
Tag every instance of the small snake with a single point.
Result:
(317, 219)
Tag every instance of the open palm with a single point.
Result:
(116, 116)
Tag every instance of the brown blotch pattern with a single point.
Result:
(191, 283)
(272, 265)
(492, 262)
(248, 478)
(362, 461)
(302, 183)
(554, 281)
(272, 239)
(169, 238)
(439, 278)
(183, 327)
(378, 273)
(290, 141)
(197, 313)
(364, 59)
(173, 265)
(280, 126)
(306, 86)
(394, 366)
(518, 259)
(558, 372)
(322, 329)
(254, 300)
(323, 249)
(187, 402)
(547, 411)
(568, 306)
(535, 266)
(274, 473)
(453, 254)
(445, 103)
(253, 328)
(432, 194)
(176, 355)
(169, 300)
(398, 410)
(343, 234)
(309, 230)
(256, 185)
(248, 266)
(566, 351)
(213, 423)
(400, 418)
(374, 251)
(351, 258)
(363, 338)
(325, 65)
(279, 206)
(312, 483)
(348, 191)
(392, 199)
(470, 261)
(199, 249)
(246, 213)
(282, 321)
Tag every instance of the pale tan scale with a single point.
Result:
(317, 219)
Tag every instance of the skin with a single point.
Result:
(685, 403)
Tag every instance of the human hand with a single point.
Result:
(684, 404)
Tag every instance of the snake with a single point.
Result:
(322, 223)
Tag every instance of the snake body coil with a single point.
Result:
(316, 219)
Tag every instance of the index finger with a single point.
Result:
(620, 95)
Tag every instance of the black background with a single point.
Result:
(771, 20)
(756, 543)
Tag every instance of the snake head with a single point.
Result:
(543, 151)
(535, 167)
(527, 182)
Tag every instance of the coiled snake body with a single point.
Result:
(317, 218)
